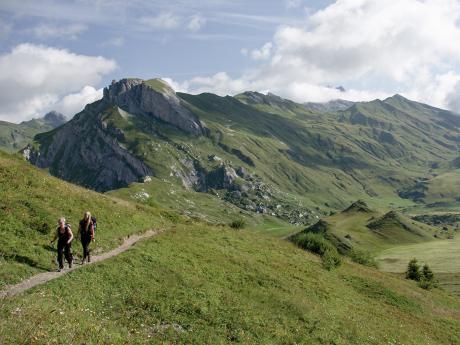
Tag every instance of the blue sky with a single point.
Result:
(59, 54)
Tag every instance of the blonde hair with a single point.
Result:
(87, 219)
(61, 220)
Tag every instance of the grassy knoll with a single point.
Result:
(364, 228)
(202, 285)
(32, 201)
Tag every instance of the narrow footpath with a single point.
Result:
(44, 277)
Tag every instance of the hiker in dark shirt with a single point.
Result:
(86, 231)
(64, 236)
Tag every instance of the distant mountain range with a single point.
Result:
(14, 137)
(260, 152)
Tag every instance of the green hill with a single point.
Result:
(14, 137)
(436, 192)
(360, 227)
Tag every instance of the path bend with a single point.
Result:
(44, 277)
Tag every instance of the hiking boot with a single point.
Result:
(59, 269)
(89, 258)
(82, 261)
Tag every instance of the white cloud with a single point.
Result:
(75, 102)
(45, 31)
(262, 53)
(384, 45)
(196, 23)
(163, 21)
(220, 83)
(33, 78)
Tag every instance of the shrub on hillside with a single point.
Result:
(424, 277)
(238, 224)
(363, 257)
(316, 243)
(413, 270)
(427, 280)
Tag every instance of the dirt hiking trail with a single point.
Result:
(47, 276)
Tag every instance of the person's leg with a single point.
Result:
(68, 254)
(60, 249)
(87, 249)
(84, 244)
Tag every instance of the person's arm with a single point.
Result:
(92, 231)
(55, 236)
(79, 230)
(71, 235)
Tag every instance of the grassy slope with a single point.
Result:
(368, 151)
(442, 256)
(30, 205)
(396, 240)
(443, 189)
(201, 206)
(200, 285)
(14, 137)
(386, 230)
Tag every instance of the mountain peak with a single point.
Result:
(154, 98)
(159, 85)
(397, 97)
(55, 118)
(358, 206)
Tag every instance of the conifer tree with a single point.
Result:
(413, 270)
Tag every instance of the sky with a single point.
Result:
(59, 55)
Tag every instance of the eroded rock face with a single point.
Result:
(137, 96)
(83, 152)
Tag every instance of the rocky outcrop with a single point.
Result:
(153, 98)
(84, 152)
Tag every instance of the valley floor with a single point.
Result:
(443, 257)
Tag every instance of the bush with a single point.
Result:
(426, 284)
(238, 224)
(427, 273)
(413, 270)
(363, 257)
(331, 259)
(427, 280)
(316, 243)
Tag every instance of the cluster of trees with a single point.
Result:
(424, 276)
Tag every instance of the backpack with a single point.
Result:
(94, 220)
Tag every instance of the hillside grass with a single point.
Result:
(442, 256)
(375, 231)
(31, 203)
(204, 207)
(198, 284)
